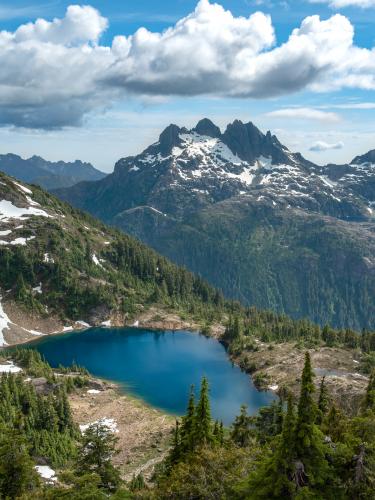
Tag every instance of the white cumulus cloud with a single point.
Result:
(304, 114)
(320, 146)
(54, 73)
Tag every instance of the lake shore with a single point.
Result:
(279, 366)
(144, 432)
(272, 367)
(25, 327)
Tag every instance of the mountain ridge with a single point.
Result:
(225, 195)
(50, 175)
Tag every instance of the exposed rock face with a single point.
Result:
(247, 213)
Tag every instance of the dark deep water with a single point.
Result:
(159, 367)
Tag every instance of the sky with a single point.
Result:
(100, 80)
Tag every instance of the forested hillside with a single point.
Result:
(57, 261)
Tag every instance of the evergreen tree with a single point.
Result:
(188, 427)
(241, 429)
(273, 479)
(218, 433)
(137, 483)
(203, 424)
(334, 424)
(176, 449)
(95, 455)
(311, 466)
(17, 473)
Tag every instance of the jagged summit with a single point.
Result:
(190, 169)
(244, 140)
(207, 127)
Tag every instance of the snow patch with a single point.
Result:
(10, 368)
(110, 423)
(48, 259)
(93, 391)
(46, 472)
(17, 241)
(273, 387)
(5, 233)
(23, 188)
(9, 211)
(97, 261)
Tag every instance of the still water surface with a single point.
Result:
(159, 367)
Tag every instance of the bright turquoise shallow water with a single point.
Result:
(159, 367)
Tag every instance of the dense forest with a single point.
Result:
(304, 448)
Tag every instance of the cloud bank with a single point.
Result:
(54, 73)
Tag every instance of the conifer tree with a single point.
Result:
(241, 428)
(285, 454)
(334, 424)
(274, 477)
(95, 455)
(310, 465)
(203, 431)
(176, 449)
(188, 427)
(17, 473)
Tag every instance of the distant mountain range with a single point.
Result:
(50, 175)
(262, 223)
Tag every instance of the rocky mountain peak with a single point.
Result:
(249, 143)
(169, 138)
(369, 157)
(207, 127)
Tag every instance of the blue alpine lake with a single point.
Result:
(158, 367)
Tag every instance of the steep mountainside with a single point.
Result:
(50, 175)
(61, 267)
(261, 222)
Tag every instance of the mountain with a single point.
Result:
(61, 267)
(260, 222)
(50, 175)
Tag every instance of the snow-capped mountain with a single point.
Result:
(188, 169)
(200, 195)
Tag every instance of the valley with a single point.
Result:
(62, 271)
